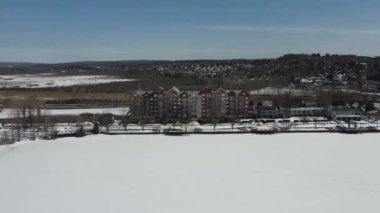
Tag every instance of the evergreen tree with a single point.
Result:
(95, 129)
(80, 132)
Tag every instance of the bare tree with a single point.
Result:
(14, 119)
(4, 138)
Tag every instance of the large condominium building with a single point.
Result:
(204, 104)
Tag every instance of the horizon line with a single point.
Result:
(300, 30)
(194, 59)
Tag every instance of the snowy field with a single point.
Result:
(6, 113)
(50, 80)
(293, 173)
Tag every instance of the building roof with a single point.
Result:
(174, 89)
(244, 93)
(205, 90)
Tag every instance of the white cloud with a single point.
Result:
(298, 30)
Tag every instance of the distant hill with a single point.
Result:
(287, 66)
(16, 64)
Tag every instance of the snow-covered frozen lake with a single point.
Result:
(293, 173)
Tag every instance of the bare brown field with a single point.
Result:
(13, 98)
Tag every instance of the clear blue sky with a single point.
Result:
(76, 30)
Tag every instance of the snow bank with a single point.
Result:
(293, 173)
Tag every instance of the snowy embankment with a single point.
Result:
(293, 173)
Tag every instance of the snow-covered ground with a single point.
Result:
(293, 173)
(116, 128)
(51, 80)
(5, 113)
(278, 91)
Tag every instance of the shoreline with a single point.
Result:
(246, 132)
